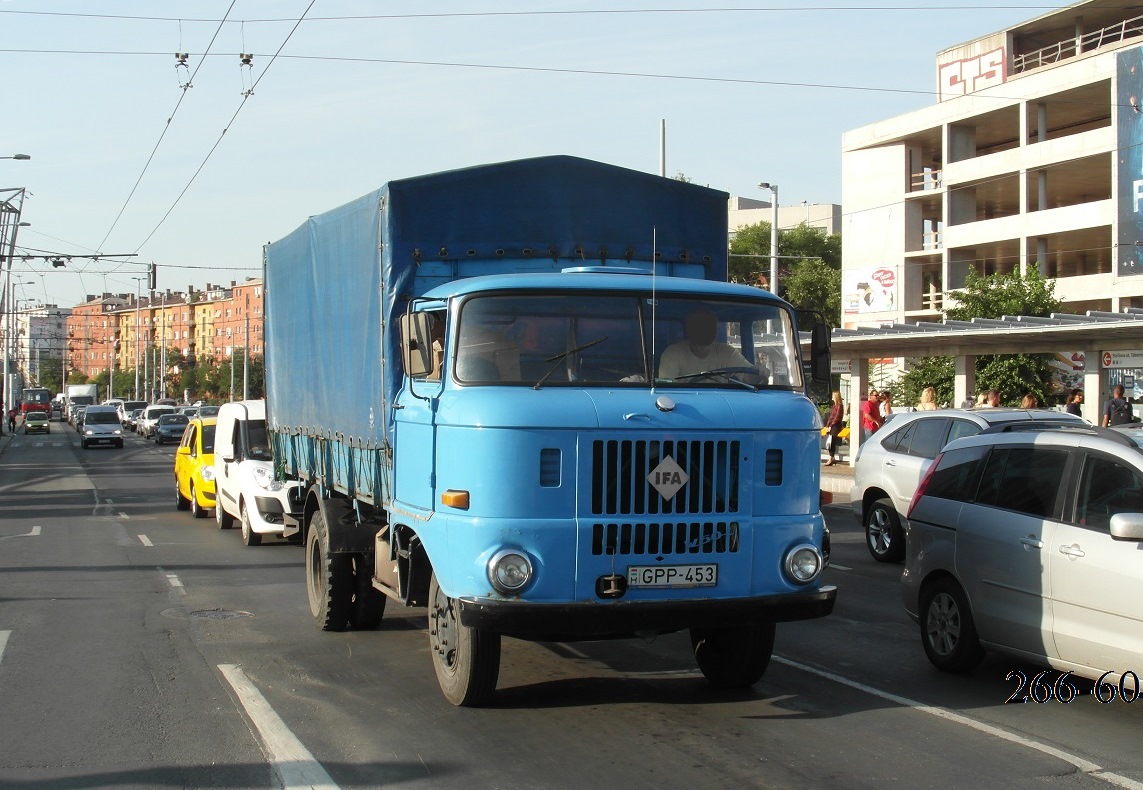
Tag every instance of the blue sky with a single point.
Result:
(366, 92)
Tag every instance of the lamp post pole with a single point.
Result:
(9, 207)
(773, 235)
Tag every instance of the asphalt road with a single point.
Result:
(140, 647)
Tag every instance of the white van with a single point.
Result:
(244, 476)
(149, 419)
(101, 426)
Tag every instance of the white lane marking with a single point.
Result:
(943, 713)
(3, 642)
(34, 533)
(836, 567)
(292, 761)
(173, 580)
(145, 540)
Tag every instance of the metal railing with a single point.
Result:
(1070, 47)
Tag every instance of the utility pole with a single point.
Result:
(246, 353)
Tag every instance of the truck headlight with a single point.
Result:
(264, 479)
(509, 570)
(207, 473)
(803, 563)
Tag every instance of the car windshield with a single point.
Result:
(173, 419)
(541, 340)
(259, 443)
(101, 416)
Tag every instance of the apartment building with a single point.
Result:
(1032, 156)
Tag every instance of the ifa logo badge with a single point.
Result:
(667, 478)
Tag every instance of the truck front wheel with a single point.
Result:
(735, 657)
(466, 660)
(329, 579)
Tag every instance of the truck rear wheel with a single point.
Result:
(329, 579)
(735, 657)
(368, 602)
(466, 660)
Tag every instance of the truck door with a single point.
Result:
(414, 430)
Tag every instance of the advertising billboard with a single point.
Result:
(866, 291)
(1129, 250)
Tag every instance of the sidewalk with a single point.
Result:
(838, 479)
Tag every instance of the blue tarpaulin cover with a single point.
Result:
(335, 286)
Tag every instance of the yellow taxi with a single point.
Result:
(194, 468)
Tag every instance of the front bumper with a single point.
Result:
(569, 622)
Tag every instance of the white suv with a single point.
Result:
(1029, 543)
(244, 476)
(892, 462)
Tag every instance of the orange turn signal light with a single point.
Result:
(454, 498)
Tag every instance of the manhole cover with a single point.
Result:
(220, 614)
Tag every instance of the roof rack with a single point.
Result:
(1055, 425)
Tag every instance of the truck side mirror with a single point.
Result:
(416, 344)
(820, 342)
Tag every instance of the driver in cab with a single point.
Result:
(699, 353)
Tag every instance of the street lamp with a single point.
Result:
(773, 235)
(9, 218)
(23, 157)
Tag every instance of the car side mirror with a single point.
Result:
(183, 450)
(227, 457)
(1127, 526)
(820, 352)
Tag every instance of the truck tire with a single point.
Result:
(466, 660)
(249, 536)
(329, 579)
(368, 602)
(734, 657)
(221, 517)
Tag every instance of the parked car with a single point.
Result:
(170, 428)
(244, 476)
(37, 422)
(891, 463)
(194, 468)
(101, 426)
(1029, 543)
(150, 419)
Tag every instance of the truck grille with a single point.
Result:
(619, 471)
(662, 539)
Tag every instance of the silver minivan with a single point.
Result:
(1030, 543)
(101, 426)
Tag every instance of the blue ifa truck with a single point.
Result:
(523, 396)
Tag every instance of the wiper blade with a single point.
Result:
(724, 372)
(558, 358)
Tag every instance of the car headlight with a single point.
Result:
(88, 432)
(803, 564)
(207, 472)
(509, 570)
(264, 479)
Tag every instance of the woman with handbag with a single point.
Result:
(834, 423)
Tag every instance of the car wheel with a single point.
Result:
(466, 659)
(249, 536)
(883, 534)
(221, 517)
(181, 502)
(734, 657)
(197, 510)
(83, 444)
(948, 632)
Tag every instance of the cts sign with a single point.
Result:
(1122, 359)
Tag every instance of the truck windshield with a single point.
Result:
(586, 339)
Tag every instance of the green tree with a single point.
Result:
(814, 285)
(1013, 375)
(794, 246)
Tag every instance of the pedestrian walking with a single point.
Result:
(870, 415)
(1075, 402)
(928, 400)
(1117, 411)
(834, 423)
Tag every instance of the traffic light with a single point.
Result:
(152, 279)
